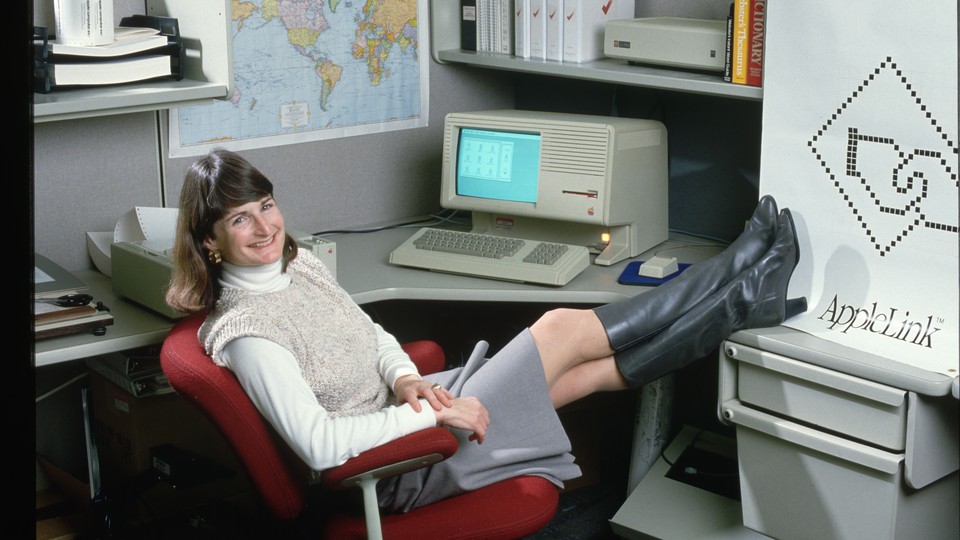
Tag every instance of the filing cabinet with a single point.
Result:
(833, 442)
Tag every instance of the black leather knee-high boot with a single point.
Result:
(754, 299)
(639, 318)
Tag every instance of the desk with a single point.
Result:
(365, 273)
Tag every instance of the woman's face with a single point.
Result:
(249, 235)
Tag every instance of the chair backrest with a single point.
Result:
(278, 475)
(215, 390)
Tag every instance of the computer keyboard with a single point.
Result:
(491, 256)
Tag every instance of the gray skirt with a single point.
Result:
(525, 436)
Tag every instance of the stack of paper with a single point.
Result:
(51, 282)
(137, 371)
(137, 53)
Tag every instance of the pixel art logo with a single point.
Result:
(892, 185)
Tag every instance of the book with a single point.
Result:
(758, 16)
(538, 29)
(132, 363)
(494, 26)
(488, 25)
(521, 24)
(554, 35)
(506, 19)
(728, 51)
(101, 319)
(468, 25)
(66, 71)
(153, 383)
(45, 313)
(484, 25)
(740, 49)
(125, 41)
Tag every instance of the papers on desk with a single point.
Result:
(94, 322)
(139, 224)
(51, 281)
(46, 313)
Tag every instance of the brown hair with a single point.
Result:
(213, 185)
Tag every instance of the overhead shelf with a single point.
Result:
(445, 48)
(102, 101)
(611, 71)
(205, 32)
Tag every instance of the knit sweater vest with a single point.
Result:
(333, 340)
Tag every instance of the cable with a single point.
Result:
(713, 240)
(433, 219)
(42, 397)
(691, 470)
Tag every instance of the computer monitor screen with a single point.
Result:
(570, 178)
(540, 165)
(497, 164)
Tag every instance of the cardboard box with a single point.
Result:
(126, 428)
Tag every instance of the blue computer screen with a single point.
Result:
(501, 165)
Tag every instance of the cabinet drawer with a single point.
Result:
(849, 406)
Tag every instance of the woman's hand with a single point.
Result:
(466, 413)
(410, 388)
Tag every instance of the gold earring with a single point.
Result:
(214, 256)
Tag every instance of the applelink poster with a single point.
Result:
(860, 142)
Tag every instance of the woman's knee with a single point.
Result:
(573, 334)
(555, 323)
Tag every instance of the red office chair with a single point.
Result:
(509, 509)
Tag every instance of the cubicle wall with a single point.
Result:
(88, 172)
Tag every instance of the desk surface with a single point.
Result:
(364, 271)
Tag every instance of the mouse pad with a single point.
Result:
(631, 275)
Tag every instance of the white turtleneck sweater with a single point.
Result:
(271, 376)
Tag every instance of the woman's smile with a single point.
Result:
(250, 234)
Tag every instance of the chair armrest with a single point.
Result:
(426, 354)
(405, 454)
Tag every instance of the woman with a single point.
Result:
(334, 383)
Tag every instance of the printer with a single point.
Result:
(140, 262)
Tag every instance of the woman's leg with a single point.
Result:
(757, 298)
(571, 338)
(638, 319)
(576, 355)
(584, 379)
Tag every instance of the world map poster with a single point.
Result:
(307, 70)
